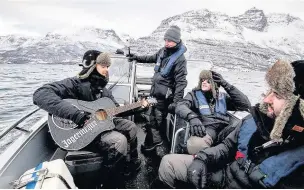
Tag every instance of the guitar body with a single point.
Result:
(66, 134)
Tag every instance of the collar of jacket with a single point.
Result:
(263, 122)
(170, 51)
(98, 81)
(94, 84)
(290, 122)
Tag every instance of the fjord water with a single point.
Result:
(19, 81)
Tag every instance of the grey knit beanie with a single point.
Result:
(173, 34)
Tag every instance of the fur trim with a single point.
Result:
(281, 120)
(104, 59)
(208, 75)
(263, 107)
(302, 107)
(86, 74)
(280, 78)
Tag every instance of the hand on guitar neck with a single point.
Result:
(145, 103)
(85, 116)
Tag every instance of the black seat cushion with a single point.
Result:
(80, 162)
(81, 155)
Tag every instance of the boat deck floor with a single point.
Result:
(150, 164)
(143, 179)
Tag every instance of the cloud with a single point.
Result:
(136, 17)
(11, 28)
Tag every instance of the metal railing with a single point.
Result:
(15, 125)
(176, 134)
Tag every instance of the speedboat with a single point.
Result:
(35, 145)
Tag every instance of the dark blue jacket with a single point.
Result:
(214, 123)
(236, 163)
(171, 86)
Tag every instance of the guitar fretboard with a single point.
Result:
(121, 109)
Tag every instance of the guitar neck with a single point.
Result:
(117, 110)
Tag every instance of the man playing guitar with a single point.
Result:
(90, 85)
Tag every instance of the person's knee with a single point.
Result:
(121, 144)
(132, 131)
(195, 144)
(165, 168)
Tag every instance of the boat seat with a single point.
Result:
(80, 162)
(86, 168)
(59, 154)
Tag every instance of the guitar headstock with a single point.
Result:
(150, 101)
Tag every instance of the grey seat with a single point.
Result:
(179, 130)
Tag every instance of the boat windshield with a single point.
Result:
(121, 74)
(120, 70)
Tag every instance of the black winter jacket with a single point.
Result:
(175, 82)
(224, 171)
(235, 101)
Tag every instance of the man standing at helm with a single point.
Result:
(168, 84)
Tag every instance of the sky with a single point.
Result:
(135, 17)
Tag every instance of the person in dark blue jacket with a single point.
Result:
(168, 84)
(266, 151)
(205, 108)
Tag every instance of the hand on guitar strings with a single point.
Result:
(83, 118)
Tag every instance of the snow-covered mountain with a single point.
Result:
(252, 40)
(59, 46)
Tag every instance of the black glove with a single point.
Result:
(82, 118)
(196, 127)
(131, 57)
(171, 108)
(197, 174)
(218, 78)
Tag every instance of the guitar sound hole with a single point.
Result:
(101, 115)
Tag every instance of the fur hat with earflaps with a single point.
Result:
(287, 80)
(206, 74)
(90, 59)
